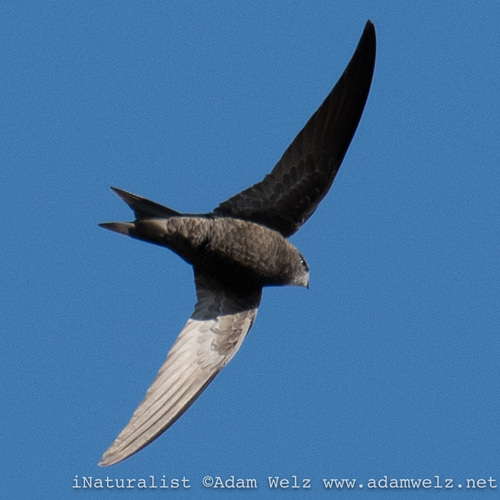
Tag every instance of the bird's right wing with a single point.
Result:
(215, 331)
(289, 195)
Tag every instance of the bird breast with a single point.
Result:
(233, 250)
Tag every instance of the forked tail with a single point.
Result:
(143, 209)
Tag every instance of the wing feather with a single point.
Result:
(210, 338)
(289, 195)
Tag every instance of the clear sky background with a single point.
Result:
(387, 366)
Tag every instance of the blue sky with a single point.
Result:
(387, 366)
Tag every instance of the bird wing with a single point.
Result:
(221, 319)
(289, 195)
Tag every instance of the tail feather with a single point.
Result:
(127, 228)
(143, 207)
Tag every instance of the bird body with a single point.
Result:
(238, 253)
(239, 248)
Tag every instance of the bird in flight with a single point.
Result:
(237, 249)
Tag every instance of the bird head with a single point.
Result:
(300, 272)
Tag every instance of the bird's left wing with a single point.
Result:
(221, 319)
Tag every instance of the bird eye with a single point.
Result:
(304, 263)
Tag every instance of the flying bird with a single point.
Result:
(239, 248)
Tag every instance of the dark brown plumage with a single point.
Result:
(238, 249)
